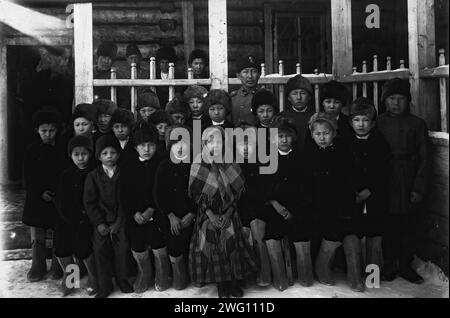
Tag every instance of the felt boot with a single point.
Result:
(352, 250)
(162, 269)
(304, 263)
(38, 263)
(144, 277)
(280, 280)
(324, 261)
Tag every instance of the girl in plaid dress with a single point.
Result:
(218, 252)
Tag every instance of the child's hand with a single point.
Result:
(103, 229)
(114, 228)
(139, 218)
(363, 195)
(225, 221)
(416, 197)
(187, 220)
(48, 196)
(215, 220)
(175, 224)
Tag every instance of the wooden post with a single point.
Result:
(443, 93)
(84, 74)
(316, 92)
(3, 108)
(422, 54)
(187, 10)
(133, 88)
(364, 84)
(354, 85)
(171, 76)
(341, 31)
(268, 39)
(113, 88)
(190, 73)
(281, 87)
(152, 68)
(375, 84)
(218, 44)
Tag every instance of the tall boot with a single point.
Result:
(56, 272)
(324, 261)
(38, 262)
(89, 262)
(352, 249)
(64, 262)
(144, 277)
(304, 263)
(374, 251)
(179, 272)
(258, 228)
(280, 280)
(162, 269)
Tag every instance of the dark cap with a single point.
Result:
(248, 61)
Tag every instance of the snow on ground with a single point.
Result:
(13, 283)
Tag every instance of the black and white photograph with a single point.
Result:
(195, 150)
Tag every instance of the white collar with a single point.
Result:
(123, 143)
(363, 137)
(164, 75)
(180, 158)
(284, 153)
(300, 111)
(109, 171)
(198, 117)
(217, 124)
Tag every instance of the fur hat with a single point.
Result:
(107, 49)
(195, 91)
(248, 61)
(80, 141)
(178, 106)
(334, 90)
(46, 117)
(122, 116)
(197, 54)
(395, 86)
(284, 124)
(143, 132)
(147, 99)
(363, 106)
(246, 121)
(170, 142)
(160, 116)
(132, 49)
(166, 53)
(105, 141)
(88, 111)
(105, 106)
(299, 82)
(323, 118)
(264, 97)
(217, 96)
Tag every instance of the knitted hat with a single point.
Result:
(122, 116)
(105, 106)
(166, 53)
(160, 116)
(264, 97)
(299, 82)
(106, 49)
(85, 110)
(284, 124)
(105, 141)
(248, 61)
(178, 106)
(197, 54)
(323, 118)
(395, 86)
(46, 117)
(335, 90)
(195, 91)
(144, 132)
(170, 142)
(80, 141)
(363, 106)
(132, 49)
(147, 99)
(217, 96)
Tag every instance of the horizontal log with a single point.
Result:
(13, 255)
(47, 40)
(376, 76)
(236, 34)
(149, 82)
(436, 72)
(234, 17)
(135, 33)
(438, 138)
(237, 50)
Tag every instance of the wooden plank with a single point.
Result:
(422, 54)
(218, 43)
(268, 41)
(435, 72)
(84, 92)
(234, 17)
(152, 82)
(135, 33)
(52, 41)
(187, 9)
(3, 108)
(375, 76)
(341, 32)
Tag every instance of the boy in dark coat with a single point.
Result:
(371, 155)
(147, 104)
(105, 109)
(122, 121)
(41, 170)
(195, 95)
(162, 121)
(217, 105)
(300, 107)
(172, 199)
(102, 203)
(73, 235)
(178, 109)
(408, 137)
(286, 210)
(330, 174)
(144, 223)
(334, 97)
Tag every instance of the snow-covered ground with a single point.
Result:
(13, 283)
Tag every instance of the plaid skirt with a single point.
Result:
(216, 256)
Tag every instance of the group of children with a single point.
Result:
(111, 189)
